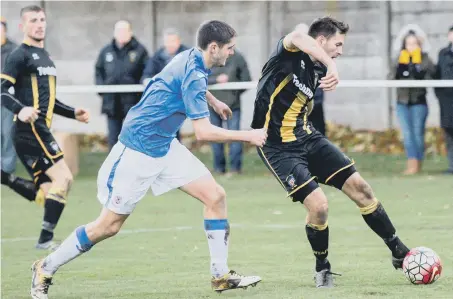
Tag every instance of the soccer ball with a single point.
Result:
(422, 266)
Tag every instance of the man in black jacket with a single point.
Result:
(122, 61)
(445, 96)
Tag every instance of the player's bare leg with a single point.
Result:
(56, 195)
(80, 241)
(217, 228)
(318, 235)
(375, 216)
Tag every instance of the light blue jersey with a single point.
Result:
(178, 92)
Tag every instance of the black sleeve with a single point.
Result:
(242, 72)
(143, 60)
(64, 110)
(13, 67)
(99, 69)
(282, 49)
(150, 69)
(212, 79)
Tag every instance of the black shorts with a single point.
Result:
(300, 167)
(37, 149)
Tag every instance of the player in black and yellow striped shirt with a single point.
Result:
(296, 153)
(32, 73)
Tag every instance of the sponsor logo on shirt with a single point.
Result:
(302, 87)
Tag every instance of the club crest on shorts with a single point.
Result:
(291, 181)
(117, 200)
(55, 147)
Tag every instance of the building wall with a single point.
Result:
(78, 30)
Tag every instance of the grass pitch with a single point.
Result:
(162, 251)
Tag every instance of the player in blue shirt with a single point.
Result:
(148, 155)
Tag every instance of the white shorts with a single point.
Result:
(126, 175)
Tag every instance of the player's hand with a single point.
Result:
(82, 115)
(222, 109)
(28, 114)
(222, 78)
(330, 81)
(258, 137)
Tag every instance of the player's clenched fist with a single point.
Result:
(82, 115)
(28, 114)
(258, 137)
(330, 81)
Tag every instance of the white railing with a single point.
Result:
(252, 85)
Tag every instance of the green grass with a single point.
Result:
(268, 239)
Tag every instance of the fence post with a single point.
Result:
(386, 50)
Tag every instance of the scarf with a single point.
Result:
(405, 56)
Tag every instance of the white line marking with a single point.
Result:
(177, 228)
(182, 228)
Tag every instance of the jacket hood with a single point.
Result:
(426, 46)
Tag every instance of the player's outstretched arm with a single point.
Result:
(205, 131)
(63, 109)
(79, 114)
(302, 41)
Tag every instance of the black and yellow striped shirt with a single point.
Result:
(32, 73)
(285, 95)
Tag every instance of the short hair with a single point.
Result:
(214, 31)
(451, 29)
(170, 31)
(4, 23)
(123, 21)
(29, 8)
(327, 26)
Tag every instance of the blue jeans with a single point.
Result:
(412, 119)
(235, 147)
(8, 154)
(114, 126)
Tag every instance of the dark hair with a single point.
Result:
(214, 31)
(451, 29)
(410, 33)
(327, 26)
(34, 8)
(4, 22)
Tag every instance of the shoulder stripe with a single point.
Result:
(9, 78)
(289, 49)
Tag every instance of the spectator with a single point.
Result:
(412, 109)
(8, 153)
(445, 96)
(120, 62)
(235, 70)
(172, 47)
